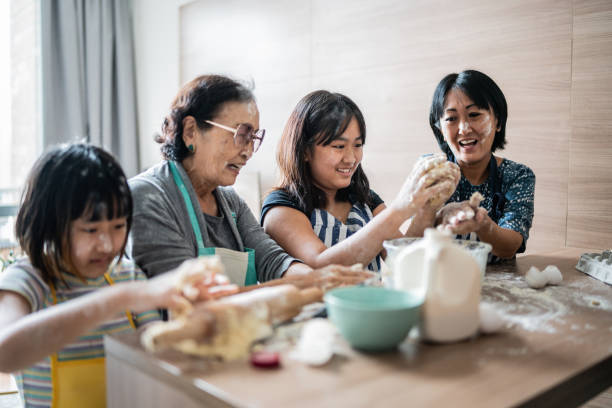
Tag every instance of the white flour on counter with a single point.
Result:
(537, 310)
(532, 310)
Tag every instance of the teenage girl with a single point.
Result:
(323, 210)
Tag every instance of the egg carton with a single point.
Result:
(598, 265)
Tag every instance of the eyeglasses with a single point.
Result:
(243, 134)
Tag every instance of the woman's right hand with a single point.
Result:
(326, 278)
(194, 280)
(432, 181)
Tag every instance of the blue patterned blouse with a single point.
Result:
(516, 183)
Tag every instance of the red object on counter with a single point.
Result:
(265, 359)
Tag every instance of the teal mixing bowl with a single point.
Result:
(372, 318)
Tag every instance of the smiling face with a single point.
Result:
(468, 130)
(217, 159)
(94, 244)
(332, 166)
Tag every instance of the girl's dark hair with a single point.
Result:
(319, 118)
(479, 88)
(201, 98)
(68, 182)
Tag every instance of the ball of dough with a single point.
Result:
(439, 172)
(491, 320)
(535, 279)
(553, 275)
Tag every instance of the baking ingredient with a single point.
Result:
(449, 279)
(428, 171)
(491, 319)
(553, 275)
(538, 279)
(315, 346)
(227, 327)
(466, 213)
(535, 279)
(441, 171)
(475, 199)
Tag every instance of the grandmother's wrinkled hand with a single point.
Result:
(432, 181)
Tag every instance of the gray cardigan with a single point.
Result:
(161, 237)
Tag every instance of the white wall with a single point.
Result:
(156, 44)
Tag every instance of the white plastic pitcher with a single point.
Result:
(448, 278)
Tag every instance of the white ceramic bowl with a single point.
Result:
(479, 250)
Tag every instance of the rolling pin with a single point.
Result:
(275, 303)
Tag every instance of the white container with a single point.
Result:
(448, 278)
(479, 250)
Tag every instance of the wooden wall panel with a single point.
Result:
(589, 221)
(388, 56)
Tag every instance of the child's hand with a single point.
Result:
(194, 280)
(203, 279)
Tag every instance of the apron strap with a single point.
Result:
(178, 180)
(498, 199)
(129, 314)
(110, 282)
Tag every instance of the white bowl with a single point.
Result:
(479, 250)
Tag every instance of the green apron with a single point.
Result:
(239, 266)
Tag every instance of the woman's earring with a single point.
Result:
(191, 148)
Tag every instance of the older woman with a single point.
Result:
(468, 118)
(182, 207)
(323, 211)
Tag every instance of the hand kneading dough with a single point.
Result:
(226, 327)
(439, 172)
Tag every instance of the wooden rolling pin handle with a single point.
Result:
(177, 330)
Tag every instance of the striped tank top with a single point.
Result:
(330, 230)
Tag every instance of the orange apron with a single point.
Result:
(79, 383)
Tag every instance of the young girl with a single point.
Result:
(323, 211)
(74, 286)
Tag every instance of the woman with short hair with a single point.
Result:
(468, 117)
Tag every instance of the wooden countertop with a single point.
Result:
(558, 352)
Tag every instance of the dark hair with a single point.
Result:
(201, 98)
(479, 88)
(68, 182)
(319, 118)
